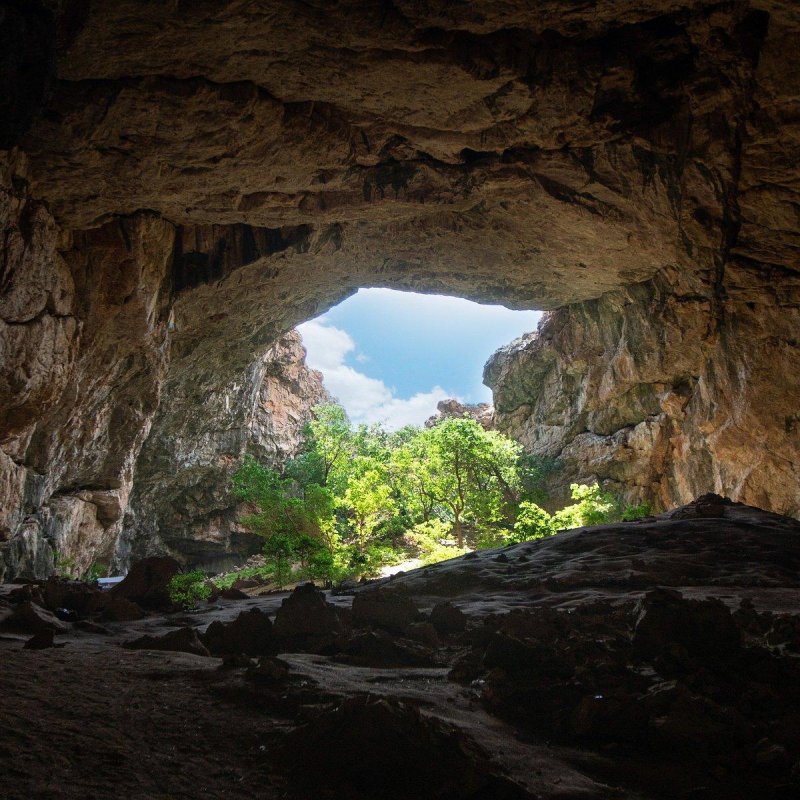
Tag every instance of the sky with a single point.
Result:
(391, 356)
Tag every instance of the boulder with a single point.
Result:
(29, 592)
(41, 641)
(391, 751)
(114, 608)
(183, 640)
(29, 618)
(393, 611)
(147, 583)
(447, 619)
(704, 628)
(249, 633)
(381, 649)
(305, 613)
(74, 596)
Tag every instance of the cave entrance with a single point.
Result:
(391, 357)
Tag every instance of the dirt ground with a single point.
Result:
(92, 719)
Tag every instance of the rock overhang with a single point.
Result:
(203, 177)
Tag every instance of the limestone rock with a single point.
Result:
(203, 177)
(482, 413)
(249, 633)
(29, 618)
(147, 584)
(447, 618)
(305, 613)
(183, 640)
(662, 391)
(384, 609)
(182, 501)
(426, 758)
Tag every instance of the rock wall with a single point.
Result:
(665, 390)
(183, 183)
(83, 338)
(182, 502)
(86, 329)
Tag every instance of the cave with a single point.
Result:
(183, 183)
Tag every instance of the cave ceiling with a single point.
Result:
(535, 153)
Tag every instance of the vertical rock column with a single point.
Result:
(83, 340)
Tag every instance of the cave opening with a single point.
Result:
(390, 356)
(182, 184)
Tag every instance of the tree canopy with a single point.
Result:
(358, 497)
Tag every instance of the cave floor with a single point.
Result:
(92, 719)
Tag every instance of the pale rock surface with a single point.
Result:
(482, 413)
(663, 390)
(182, 501)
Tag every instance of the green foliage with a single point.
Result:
(533, 474)
(65, 566)
(430, 539)
(593, 507)
(533, 522)
(187, 589)
(368, 501)
(95, 571)
(358, 498)
(631, 513)
(228, 579)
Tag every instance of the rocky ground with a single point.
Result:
(655, 659)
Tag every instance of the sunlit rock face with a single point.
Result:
(182, 501)
(664, 389)
(183, 183)
(482, 413)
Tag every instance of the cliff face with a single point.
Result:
(183, 183)
(664, 390)
(182, 502)
(86, 323)
(83, 337)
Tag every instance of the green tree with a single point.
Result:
(330, 438)
(593, 506)
(296, 522)
(533, 522)
(368, 499)
(466, 470)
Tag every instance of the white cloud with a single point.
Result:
(365, 399)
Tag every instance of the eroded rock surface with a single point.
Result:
(182, 501)
(184, 183)
(665, 390)
(482, 413)
(639, 661)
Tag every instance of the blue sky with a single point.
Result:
(391, 356)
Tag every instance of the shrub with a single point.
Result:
(430, 539)
(533, 522)
(593, 507)
(95, 571)
(631, 513)
(189, 588)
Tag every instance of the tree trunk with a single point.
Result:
(459, 531)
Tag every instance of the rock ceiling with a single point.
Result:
(195, 178)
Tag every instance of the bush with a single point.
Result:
(593, 507)
(228, 579)
(95, 571)
(189, 588)
(631, 513)
(533, 522)
(430, 539)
